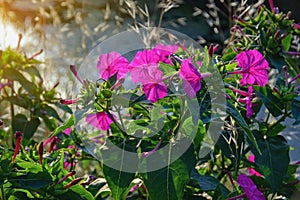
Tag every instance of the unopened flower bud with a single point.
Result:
(41, 152)
(18, 136)
(68, 101)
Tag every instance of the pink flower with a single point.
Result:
(155, 91)
(254, 68)
(250, 188)
(247, 100)
(252, 171)
(164, 51)
(144, 69)
(67, 131)
(100, 120)
(111, 63)
(191, 77)
(143, 65)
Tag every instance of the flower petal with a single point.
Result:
(155, 91)
(112, 63)
(99, 120)
(250, 188)
(191, 77)
(254, 68)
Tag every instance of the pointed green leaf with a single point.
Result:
(272, 103)
(208, 183)
(274, 159)
(17, 76)
(169, 182)
(70, 122)
(118, 182)
(296, 110)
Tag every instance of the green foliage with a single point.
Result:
(41, 163)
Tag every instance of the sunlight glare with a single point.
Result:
(8, 35)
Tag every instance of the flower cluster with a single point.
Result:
(144, 69)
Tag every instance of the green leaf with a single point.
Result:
(274, 159)
(70, 122)
(208, 183)
(196, 134)
(82, 193)
(20, 123)
(231, 66)
(34, 181)
(272, 103)
(118, 182)
(234, 113)
(33, 71)
(64, 107)
(229, 55)
(50, 123)
(13, 74)
(118, 178)
(166, 69)
(30, 166)
(286, 42)
(276, 61)
(51, 112)
(275, 130)
(169, 182)
(19, 101)
(296, 110)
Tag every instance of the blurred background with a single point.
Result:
(68, 30)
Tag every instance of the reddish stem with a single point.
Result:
(66, 176)
(74, 182)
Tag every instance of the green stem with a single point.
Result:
(3, 193)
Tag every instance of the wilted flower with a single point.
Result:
(250, 188)
(191, 78)
(99, 120)
(254, 68)
(111, 63)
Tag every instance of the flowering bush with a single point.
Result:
(173, 122)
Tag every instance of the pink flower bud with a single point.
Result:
(18, 136)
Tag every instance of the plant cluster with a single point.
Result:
(153, 119)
